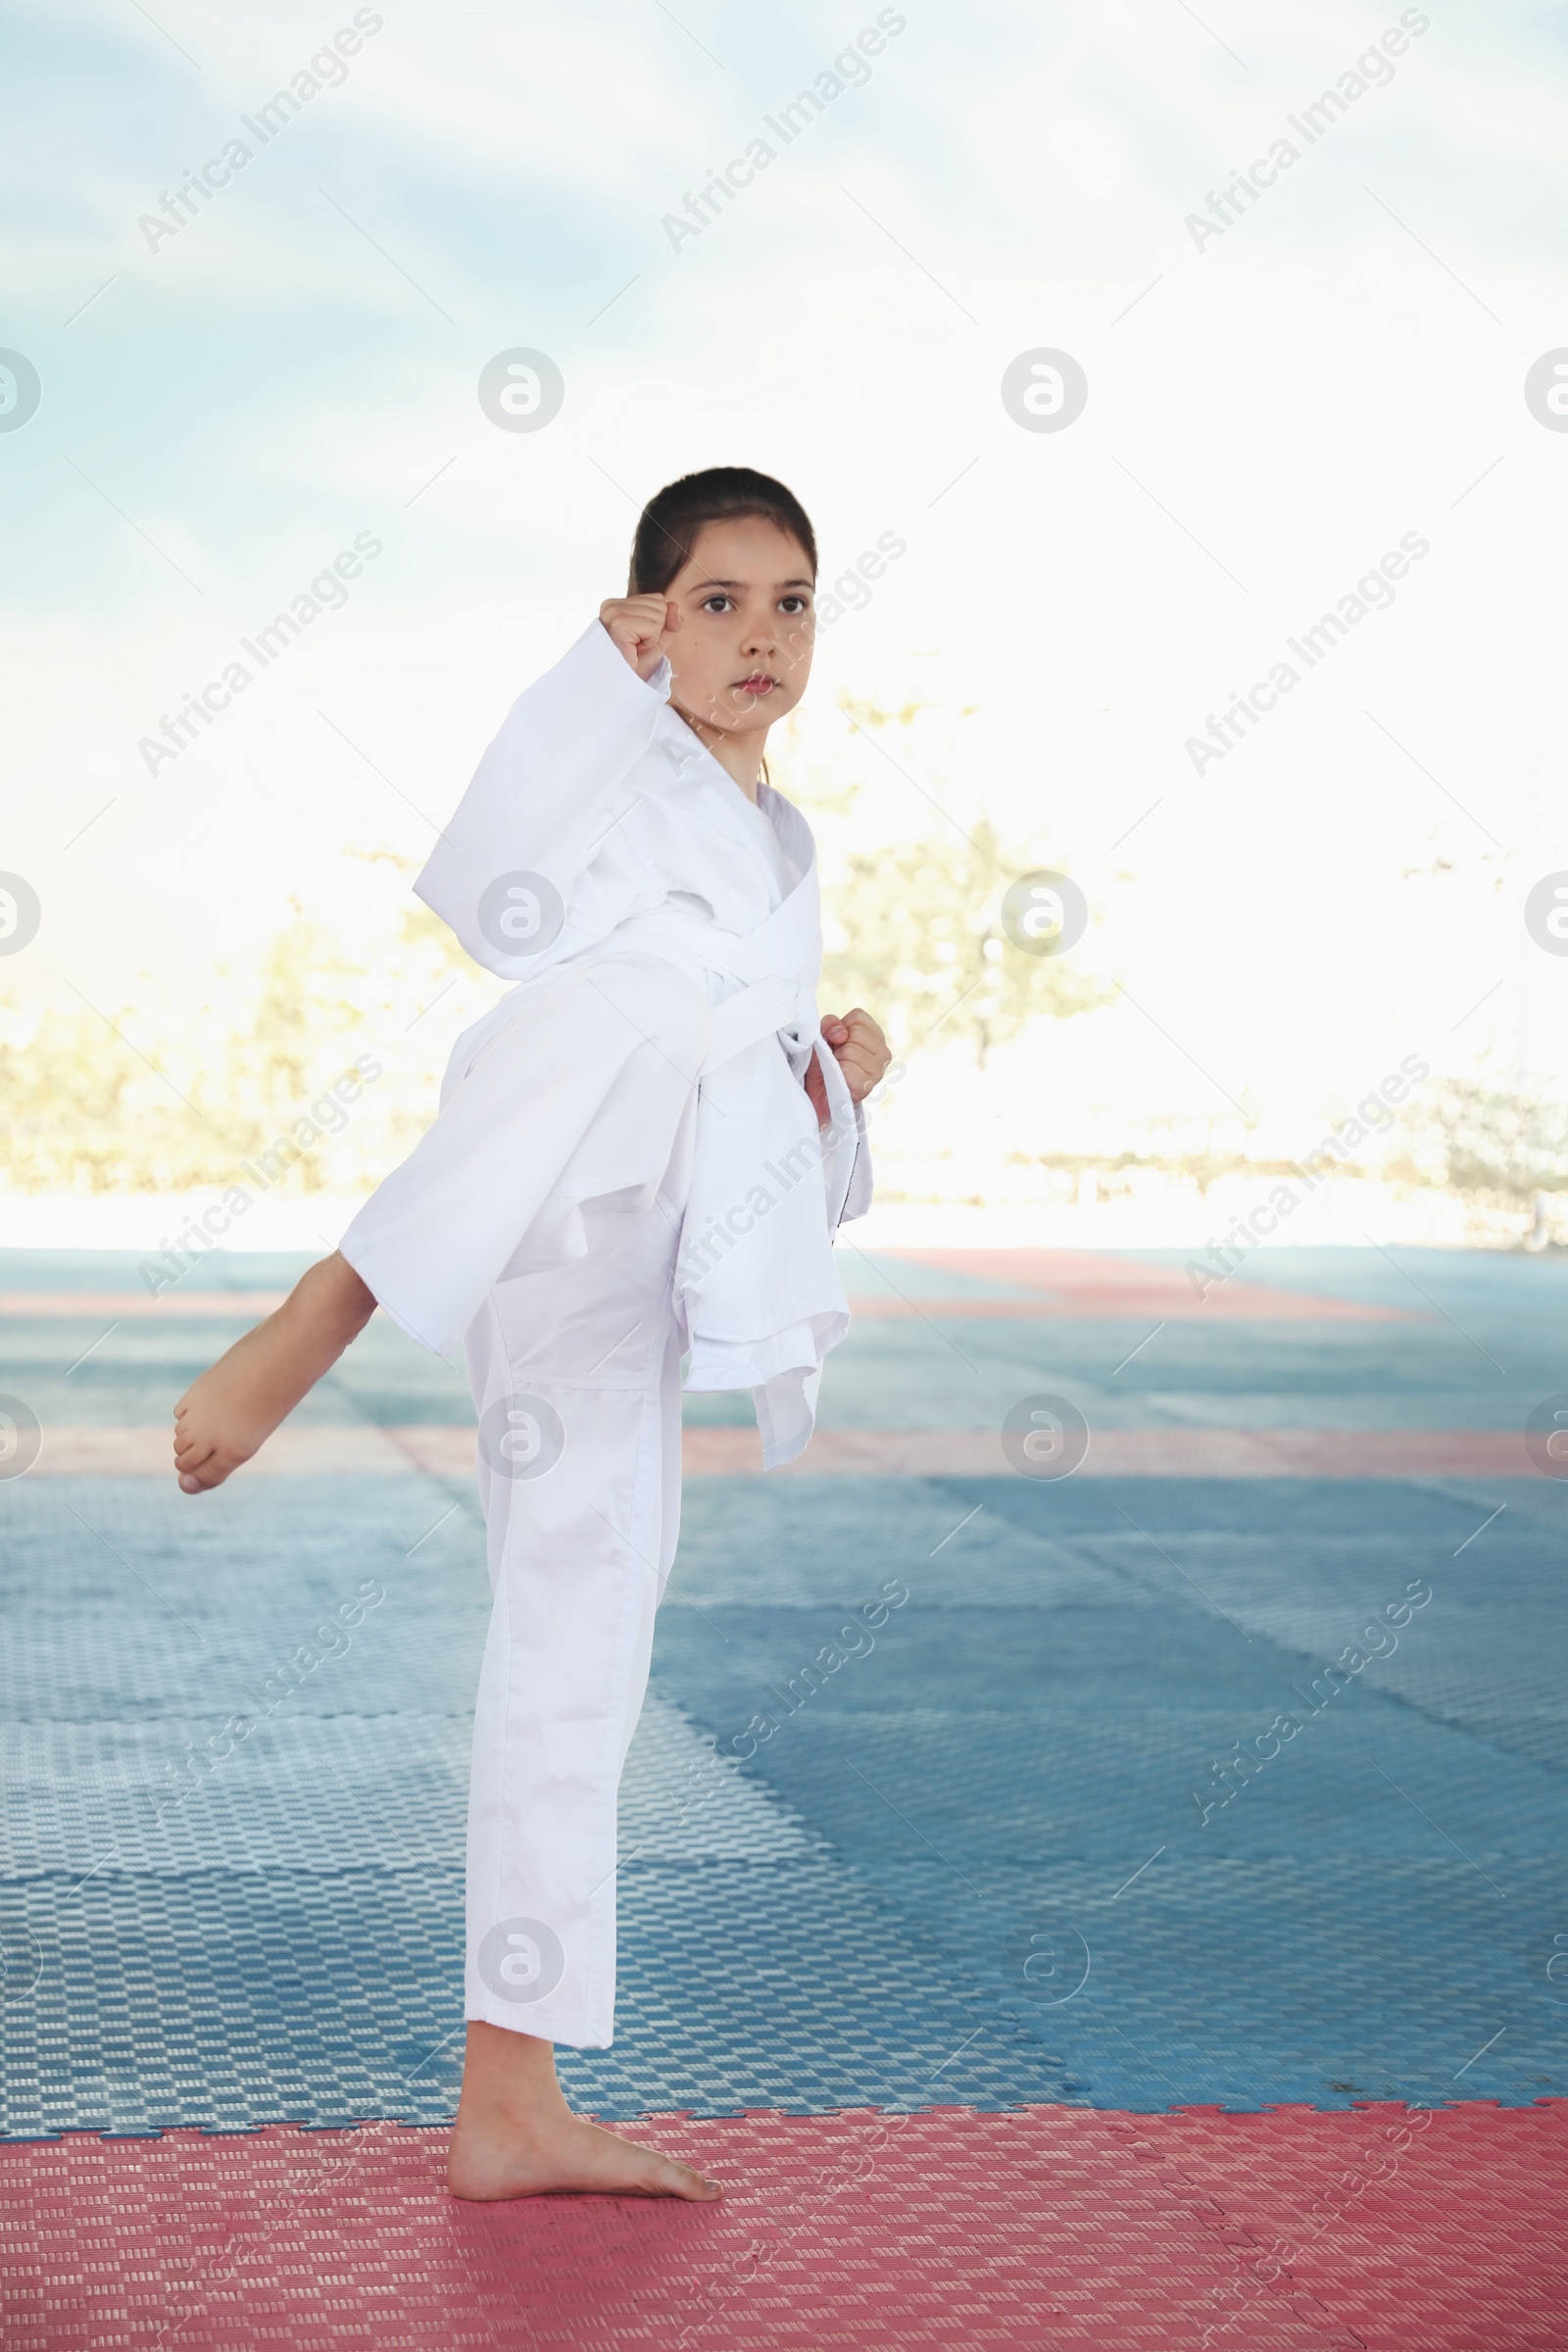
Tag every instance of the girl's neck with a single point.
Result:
(739, 756)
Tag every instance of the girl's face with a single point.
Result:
(742, 652)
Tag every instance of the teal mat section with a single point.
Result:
(928, 1805)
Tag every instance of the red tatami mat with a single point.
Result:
(1054, 2226)
(1435, 2231)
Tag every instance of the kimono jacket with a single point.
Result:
(598, 824)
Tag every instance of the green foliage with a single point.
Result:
(914, 924)
(158, 1097)
(1486, 1142)
(66, 1106)
(915, 936)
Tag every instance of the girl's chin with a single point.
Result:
(732, 714)
(758, 709)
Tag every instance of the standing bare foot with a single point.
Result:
(516, 2137)
(232, 1407)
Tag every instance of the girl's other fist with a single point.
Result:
(861, 1052)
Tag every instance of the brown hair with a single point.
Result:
(669, 525)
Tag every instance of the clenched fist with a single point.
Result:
(642, 626)
(861, 1053)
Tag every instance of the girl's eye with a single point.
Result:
(794, 604)
(716, 604)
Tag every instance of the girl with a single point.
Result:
(645, 1148)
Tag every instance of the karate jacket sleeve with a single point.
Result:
(548, 791)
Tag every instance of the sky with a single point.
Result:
(1279, 392)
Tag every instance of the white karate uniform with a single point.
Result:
(626, 1165)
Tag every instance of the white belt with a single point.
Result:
(775, 1007)
(755, 1013)
(767, 1004)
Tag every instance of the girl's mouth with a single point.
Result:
(759, 683)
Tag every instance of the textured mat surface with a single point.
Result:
(1042, 1814)
(844, 1846)
(1289, 2232)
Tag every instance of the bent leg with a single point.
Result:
(564, 1094)
(575, 1090)
(232, 1407)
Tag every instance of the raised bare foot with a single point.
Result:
(230, 1409)
(516, 2137)
(487, 2160)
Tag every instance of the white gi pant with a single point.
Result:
(575, 1368)
(581, 1549)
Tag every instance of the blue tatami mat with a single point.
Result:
(935, 1801)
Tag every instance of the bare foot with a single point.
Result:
(516, 2137)
(231, 1408)
(487, 2161)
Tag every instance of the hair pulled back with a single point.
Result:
(669, 524)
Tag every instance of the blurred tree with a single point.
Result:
(65, 1086)
(1486, 1142)
(913, 927)
(155, 1097)
(308, 1008)
(915, 936)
